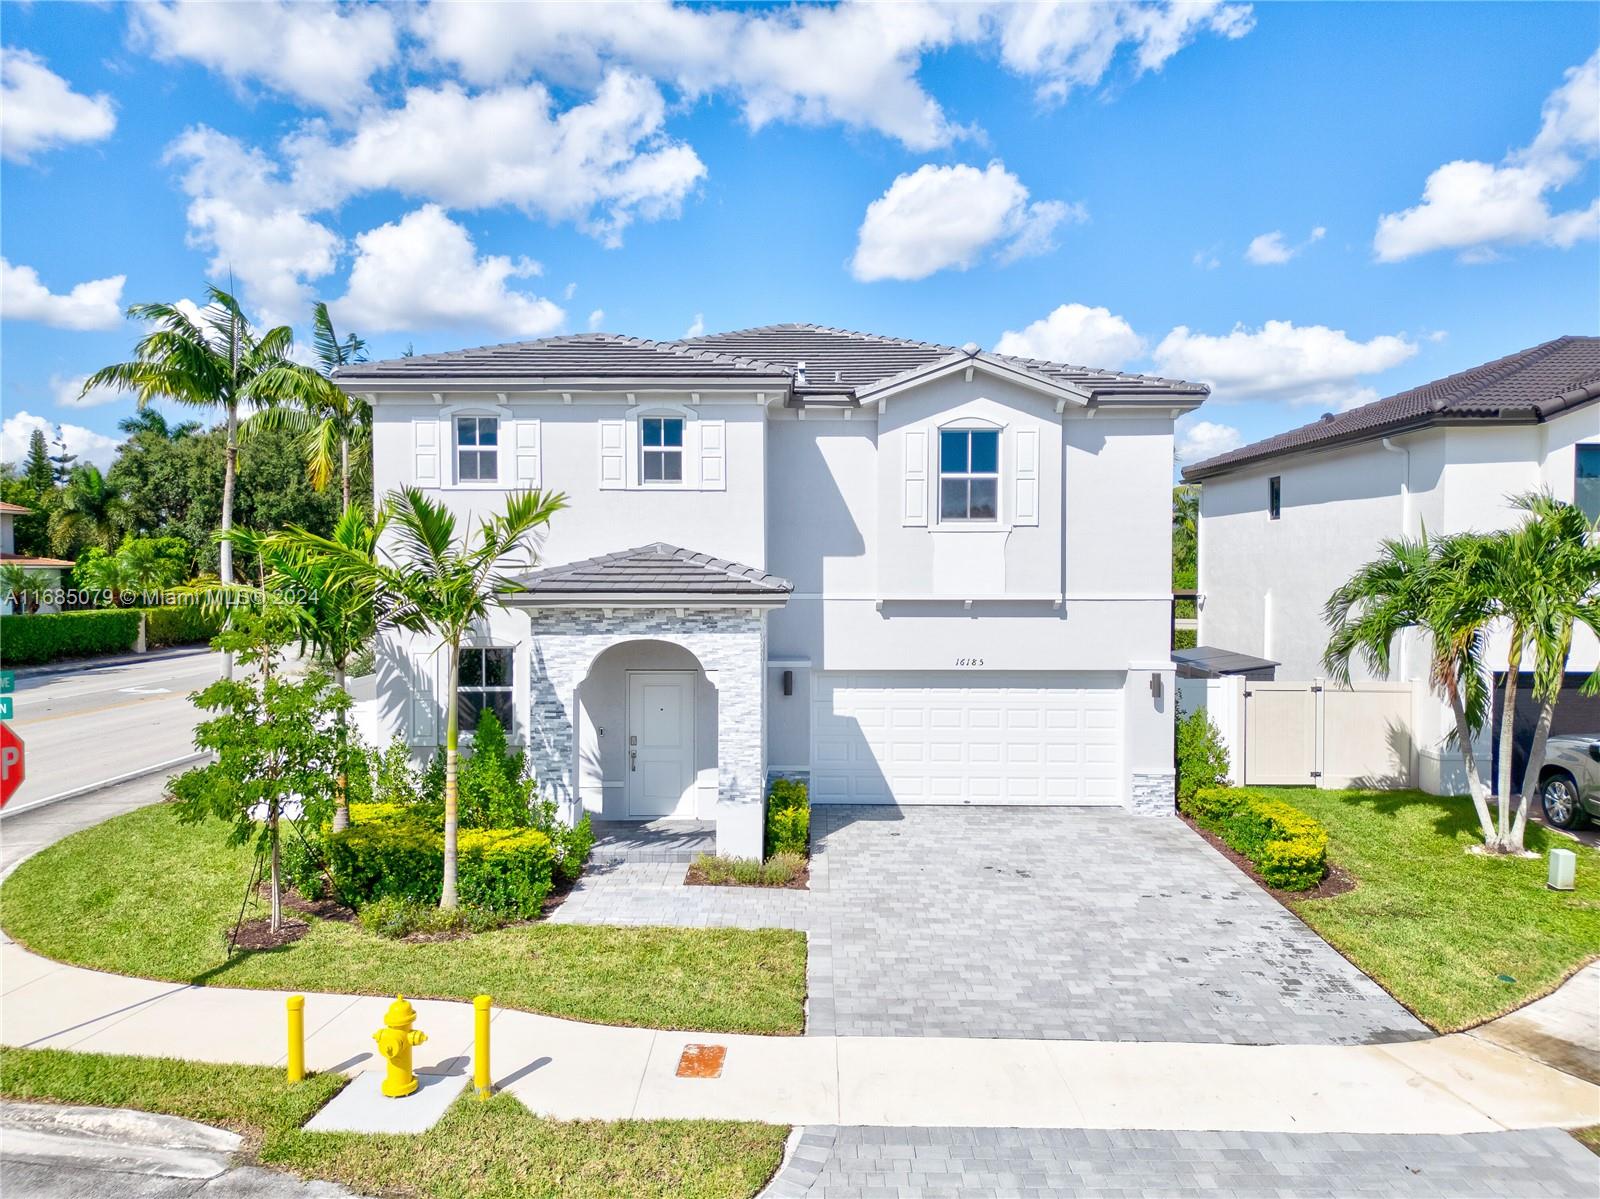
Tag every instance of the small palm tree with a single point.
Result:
(89, 513)
(434, 582)
(210, 363)
(21, 587)
(306, 403)
(1434, 587)
(151, 421)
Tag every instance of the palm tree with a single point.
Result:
(136, 568)
(306, 402)
(151, 421)
(434, 582)
(1546, 579)
(1435, 587)
(329, 614)
(89, 512)
(209, 363)
(20, 587)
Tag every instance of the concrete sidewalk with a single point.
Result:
(1454, 1084)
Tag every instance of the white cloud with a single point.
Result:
(1473, 206)
(423, 272)
(88, 445)
(1301, 364)
(596, 319)
(1198, 440)
(602, 164)
(39, 110)
(96, 304)
(938, 217)
(697, 327)
(68, 392)
(319, 53)
(1206, 260)
(1077, 334)
(254, 223)
(1270, 249)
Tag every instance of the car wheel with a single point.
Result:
(1559, 795)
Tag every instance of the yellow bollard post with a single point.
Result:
(480, 1041)
(297, 1037)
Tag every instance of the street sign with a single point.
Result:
(5, 707)
(8, 681)
(10, 763)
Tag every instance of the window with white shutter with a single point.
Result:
(915, 510)
(713, 455)
(425, 468)
(1026, 509)
(613, 455)
(528, 465)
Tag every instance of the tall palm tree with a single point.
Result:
(432, 581)
(331, 615)
(209, 363)
(306, 402)
(1433, 587)
(151, 421)
(1546, 580)
(89, 511)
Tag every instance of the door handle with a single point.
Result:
(633, 759)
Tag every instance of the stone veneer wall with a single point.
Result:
(1154, 793)
(730, 644)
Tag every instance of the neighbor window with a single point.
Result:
(1275, 496)
(477, 449)
(485, 686)
(661, 444)
(969, 474)
(1586, 486)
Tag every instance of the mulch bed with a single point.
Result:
(258, 934)
(801, 882)
(1335, 882)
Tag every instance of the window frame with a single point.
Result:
(508, 689)
(477, 449)
(969, 476)
(663, 451)
(1579, 451)
(1275, 497)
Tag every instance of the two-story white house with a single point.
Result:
(913, 573)
(1285, 521)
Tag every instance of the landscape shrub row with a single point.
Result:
(48, 636)
(1289, 848)
(180, 624)
(788, 818)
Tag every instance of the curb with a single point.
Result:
(103, 784)
(73, 665)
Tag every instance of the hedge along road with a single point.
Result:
(87, 724)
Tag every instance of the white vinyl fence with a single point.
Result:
(1311, 734)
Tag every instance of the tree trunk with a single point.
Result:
(1469, 760)
(452, 736)
(1541, 735)
(276, 923)
(341, 787)
(230, 470)
(344, 472)
(1508, 711)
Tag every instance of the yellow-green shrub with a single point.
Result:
(1289, 848)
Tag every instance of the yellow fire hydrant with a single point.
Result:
(395, 1041)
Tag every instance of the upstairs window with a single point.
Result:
(485, 686)
(1275, 497)
(1586, 484)
(661, 448)
(969, 474)
(477, 449)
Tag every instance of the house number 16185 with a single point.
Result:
(969, 661)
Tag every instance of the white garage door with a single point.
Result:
(924, 738)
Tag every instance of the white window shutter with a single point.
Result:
(528, 453)
(613, 455)
(423, 724)
(915, 511)
(713, 455)
(425, 472)
(1026, 509)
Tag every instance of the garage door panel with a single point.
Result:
(1011, 739)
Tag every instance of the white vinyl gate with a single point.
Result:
(1311, 734)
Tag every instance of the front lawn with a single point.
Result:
(144, 895)
(1456, 937)
(493, 1150)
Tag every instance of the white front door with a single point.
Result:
(660, 749)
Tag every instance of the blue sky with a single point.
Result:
(1306, 205)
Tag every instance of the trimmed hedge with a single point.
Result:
(179, 624)
(1289, 848)
(46, 636)
(387, 853)
(788, 818)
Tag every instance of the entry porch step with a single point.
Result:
(653, 840)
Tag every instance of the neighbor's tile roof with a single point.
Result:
(837, 362)
(13, 509)
(25, 560)
(657, 569)
(1531, 385)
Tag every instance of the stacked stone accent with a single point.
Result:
(1154, 793)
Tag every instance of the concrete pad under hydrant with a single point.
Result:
(363, 1107)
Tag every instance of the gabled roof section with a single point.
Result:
(581, 356)
(1529, 386)
(658, 569)
(11, 509)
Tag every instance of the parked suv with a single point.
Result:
(1569, 784)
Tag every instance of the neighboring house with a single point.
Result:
(1287, 520)
(914, 573)
(44, 573)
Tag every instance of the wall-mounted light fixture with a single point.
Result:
(788, 682)
(1155, 685)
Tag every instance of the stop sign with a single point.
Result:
(10, 763)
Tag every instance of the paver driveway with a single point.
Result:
(1071, 923)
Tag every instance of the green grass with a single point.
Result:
(493, 1150)
(144, 895)
(780, 870)
(1589, 1137)
(1438, 926)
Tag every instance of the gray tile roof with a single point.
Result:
(1528, 386)
(657, 569)
(837, 362)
